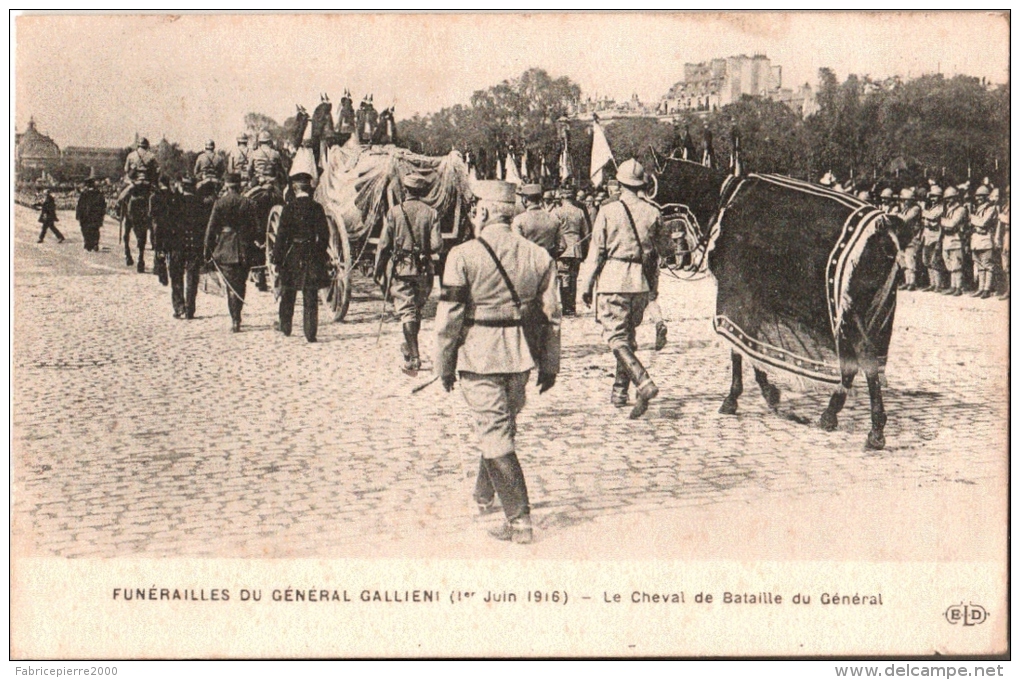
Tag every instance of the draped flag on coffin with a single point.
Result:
(358, 185)
(790, 259)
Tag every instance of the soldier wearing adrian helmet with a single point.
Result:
(1002, 242)
(931, 239)
(409, 244)
(983, 222)
(574, 231)
(265, 164)
(141, 170)
(624, 239)
(910, 213)
(953, 222)
(237, 159)
(230, 240)
(209, 166)
(536, 223)
(300, 256)
(498, 318)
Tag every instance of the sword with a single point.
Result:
(419, 388)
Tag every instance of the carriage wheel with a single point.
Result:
(338, 295)
(272, 229)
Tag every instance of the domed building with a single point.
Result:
(35, 153)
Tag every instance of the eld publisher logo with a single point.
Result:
(967, 614)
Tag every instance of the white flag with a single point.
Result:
(600, 153)
(511, 170)
(565, 170)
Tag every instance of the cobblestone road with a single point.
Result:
(138, 434)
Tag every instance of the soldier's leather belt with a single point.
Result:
(493, 323)
(625, 259)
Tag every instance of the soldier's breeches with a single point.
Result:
(409, 296)
(910, 258)
(495, 399)
(567, 273)
(620, 314)
(932, 255)
(953, 259)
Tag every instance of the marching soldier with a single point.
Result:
(498, 318)
(237, 159)
(931, 239)
(182, 241)
(624, 238)
(953, 222)
(48, 217)
(300, 256)
(141, 169)
(983, 222)
(229, 241)
(536, 223)
(208, 166)
(1002, 240)
(409, 244)
(573, 235)
(90, 212)
(910, 213)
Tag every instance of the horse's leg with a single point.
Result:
(729, 405)
(837, 400)
(876, 438)
(141, 237)
(768, 390)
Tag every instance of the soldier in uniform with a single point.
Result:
(265, 165)
(141, 170)
(953, 222)
(300, 256)
(182, 242)
(237, 159)
(536, 223)
(229, 241)
(90, 212)
(886, 201)
(489, 284)
(931, 239)
(1002, 243)
(208, 166)
(910, 213)
(48, 217)
(573, 234)
(624, 238)
(983, 222)
(409, 244)
(165, 211)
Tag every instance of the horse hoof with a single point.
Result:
(772, 397)
(828, 421)
(729, 407)
(876, 441)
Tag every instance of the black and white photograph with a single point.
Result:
(510, 335)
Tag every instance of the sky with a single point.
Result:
(96, 80)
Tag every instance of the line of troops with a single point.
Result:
(949, 233)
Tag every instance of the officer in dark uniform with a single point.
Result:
(537, 224)
(300, 256)
(165, 212)
(489, 284)
(90, 213)
(230, 240)
(409, 243)
(182, 242)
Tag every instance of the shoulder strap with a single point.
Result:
(410, 229)
(630, 221)
(502, 271)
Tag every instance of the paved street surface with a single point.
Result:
(139, 434)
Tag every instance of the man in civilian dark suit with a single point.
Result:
(90, 213)
(230, 240)
(182, 242)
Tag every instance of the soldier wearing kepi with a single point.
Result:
(573, 233)
(983, 222)
(237, 159)
(910, 213)
(229, 241)
(624, 238)
(498, 318)
(953, 222)
(300, 256)
(183, 244)
(536, 223)
(409, 244)
(931, 239)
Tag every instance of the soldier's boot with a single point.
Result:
(260, 281)
(485, 493)
(310, 316)
(508, 480)
(660, 335)
(644, 389)
(621, 385)
(412, 362)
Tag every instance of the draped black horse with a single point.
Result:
(806, 280)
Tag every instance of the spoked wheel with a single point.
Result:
(272, 230)
(338, 295)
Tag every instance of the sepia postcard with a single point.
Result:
(637, 334)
